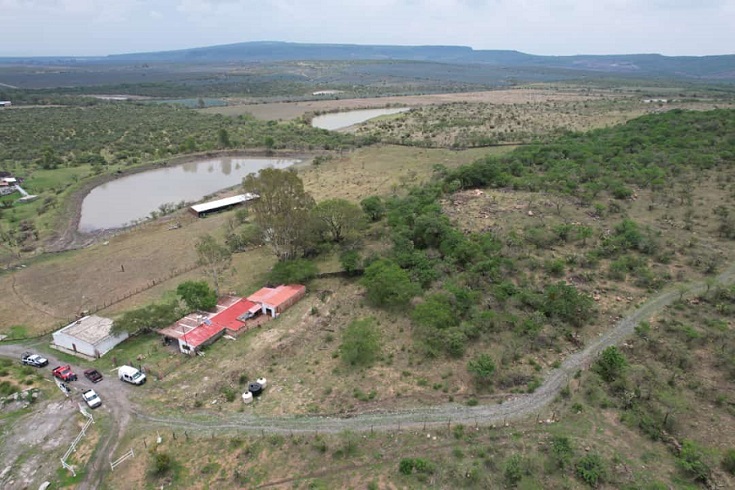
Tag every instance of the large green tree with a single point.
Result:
(282, 210)
(197, 295)
(150, 317)
(337, 219)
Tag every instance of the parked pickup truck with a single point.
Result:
(30, 359)
(64, 373)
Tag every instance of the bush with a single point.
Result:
(611, 364)
(591, 469)
(298, 271)
(387, 285)
(162, 463)
(513, 470)
(360, 343)
(691, 460)
(351, 262)
(561, 449)
(728, 461)
(482, 367)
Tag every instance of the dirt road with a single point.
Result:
(116, 397)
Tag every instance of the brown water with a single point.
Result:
(131, 199)
(339, 120)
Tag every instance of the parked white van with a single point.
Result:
(131, 375)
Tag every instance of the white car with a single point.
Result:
(92, 399)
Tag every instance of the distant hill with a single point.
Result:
(691, 67)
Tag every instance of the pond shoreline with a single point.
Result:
(68, 236)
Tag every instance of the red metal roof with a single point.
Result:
(201, 334)
(228, 317)
(283, 294)
(276, 297)
(261, 294)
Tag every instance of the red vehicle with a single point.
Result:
(93, 375)
(64, 373)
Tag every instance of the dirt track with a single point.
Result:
(516, 407)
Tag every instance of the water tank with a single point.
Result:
(262, 382)
(247, 397)
(255, 388)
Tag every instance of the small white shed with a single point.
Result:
(90, 336)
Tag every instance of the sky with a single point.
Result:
(547, 27)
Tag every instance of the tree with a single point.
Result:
(223, 138)
(565, 303)
(373, 207)
(150, 317)
(269, 143)
(611, 364)
(360, 343)
(337, 218)
(293, 271)
(214, 258)
(197, 295)
(350, 261)
(482, 367)
(387, 285)
(282, 210)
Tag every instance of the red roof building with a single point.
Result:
(196, 330)
(275, 301)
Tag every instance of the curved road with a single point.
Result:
(518, 407)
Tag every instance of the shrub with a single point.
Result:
(561, 449)
(162, 463)
(513, 470)
(350, 261)
(611, 364)
(406, 466)
(297, 271)
(387, 285)
(691, 460)
(482, 367)
(591, 469)
(728, 461)
(360, 343)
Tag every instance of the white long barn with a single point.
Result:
(205, 208)
(90, 336)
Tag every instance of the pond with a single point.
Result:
(133, 198)
(340, 120)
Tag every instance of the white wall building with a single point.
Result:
(89, 336)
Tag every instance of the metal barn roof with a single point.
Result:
(221, 203)
(91, 329)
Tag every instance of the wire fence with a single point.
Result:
(13, 336)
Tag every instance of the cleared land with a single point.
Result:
(293, 110)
